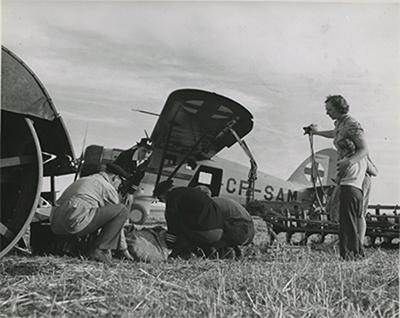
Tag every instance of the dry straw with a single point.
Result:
(271, 281)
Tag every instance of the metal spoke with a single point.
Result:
(4, 231)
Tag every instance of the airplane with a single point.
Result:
(193, 127)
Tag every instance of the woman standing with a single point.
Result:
(351, 169)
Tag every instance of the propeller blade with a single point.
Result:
(80, 160)
(144, 112)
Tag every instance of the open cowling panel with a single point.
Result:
(195, 125)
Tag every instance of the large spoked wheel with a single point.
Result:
(21, 178)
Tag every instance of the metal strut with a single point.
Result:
(252, 177)
(314, 172)
(227, 127)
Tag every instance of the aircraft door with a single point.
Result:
(209, 176)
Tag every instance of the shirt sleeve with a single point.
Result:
(353, 130)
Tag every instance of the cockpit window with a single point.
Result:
(205, 177)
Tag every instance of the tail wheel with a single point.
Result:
(21, 178)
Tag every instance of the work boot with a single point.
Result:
(100, 255)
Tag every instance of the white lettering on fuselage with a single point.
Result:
(269, 193)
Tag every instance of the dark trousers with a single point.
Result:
(110, 219)
(235, 233)
(238, 232)
(351, 199)
(189, 241)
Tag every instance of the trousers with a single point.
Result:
(351, 199)
(110, 219)
(238, 232)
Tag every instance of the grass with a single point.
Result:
(277, 281)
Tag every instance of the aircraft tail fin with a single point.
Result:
(325, 167)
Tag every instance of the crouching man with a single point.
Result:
(92, 203)
(197, 224)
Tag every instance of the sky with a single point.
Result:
(100, 59)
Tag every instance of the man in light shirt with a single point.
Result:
(92, 203)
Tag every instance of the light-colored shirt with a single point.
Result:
(77, 205)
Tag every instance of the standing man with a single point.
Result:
(92, 203)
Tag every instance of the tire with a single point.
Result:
(138, 213)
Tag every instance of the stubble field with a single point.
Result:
(270, 281)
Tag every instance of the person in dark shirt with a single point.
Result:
(134, 161)
(201, 225)
(194, 222)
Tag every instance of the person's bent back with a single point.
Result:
(238, 223)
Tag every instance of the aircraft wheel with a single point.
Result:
(138, 213)
(21, 178)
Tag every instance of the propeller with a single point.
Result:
(144, 112)
(80, 160)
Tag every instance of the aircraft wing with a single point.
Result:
(193, 125)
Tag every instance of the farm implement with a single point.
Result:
(383, 227)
